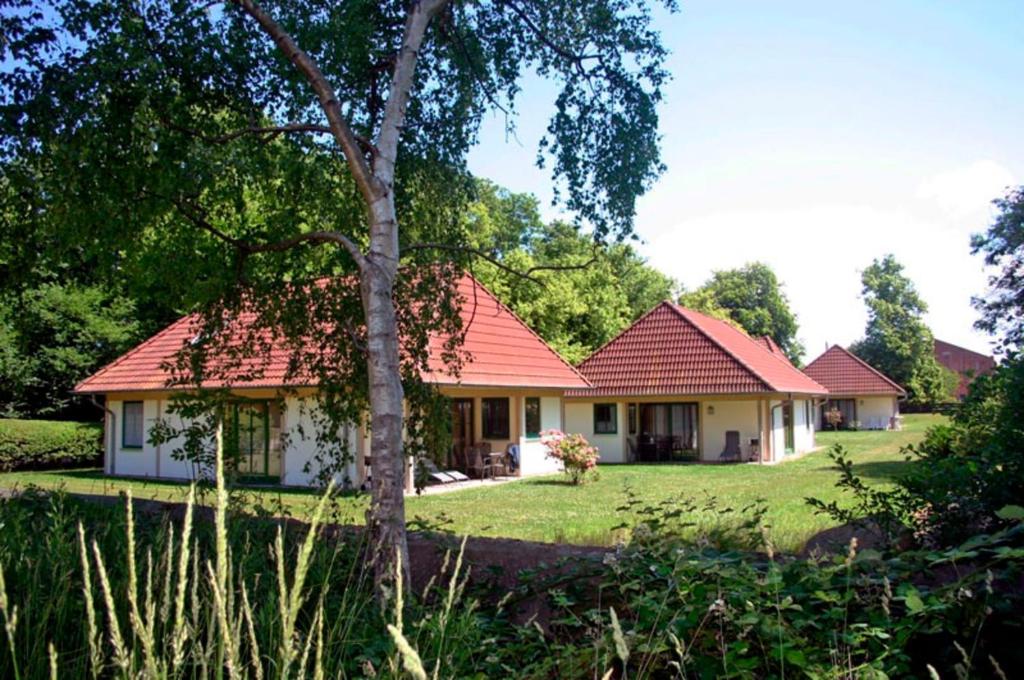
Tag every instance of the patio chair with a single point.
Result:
(495, 461)
(441, 476)
(731, 452)
(512, 457)
(475, 461)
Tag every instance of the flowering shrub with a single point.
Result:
(577, 455)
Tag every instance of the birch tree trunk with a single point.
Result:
(386, 516)
(378, 268)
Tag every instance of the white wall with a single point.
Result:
(300, 450)
(133, 462)
(579, 419)
(803, 428)
(874, 413)
(728, 415)
(533, 458)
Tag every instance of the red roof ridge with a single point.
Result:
(683, 312)
(133, 351)
(784, 361)
(627, 328)
(860, 361)
(515, 316)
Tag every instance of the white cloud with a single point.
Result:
(966, 191)
(819, 251)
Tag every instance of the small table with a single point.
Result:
(495, 459)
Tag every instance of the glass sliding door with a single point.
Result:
(252, 438)
(667, 431)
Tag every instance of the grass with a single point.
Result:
(548, 509)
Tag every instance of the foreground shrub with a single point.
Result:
(39, 444)
(670, 605)
(98, 591)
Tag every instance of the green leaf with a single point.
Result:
(1015, 512)
(915, 605)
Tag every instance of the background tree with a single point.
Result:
(751, 297)
(897, 341)
(581, 294)
(54, 336)
(220, 146)
(1002, 307)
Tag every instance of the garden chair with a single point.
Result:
(731, 452)
(475, 462)
(495, 461)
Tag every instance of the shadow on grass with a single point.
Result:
(883, 470)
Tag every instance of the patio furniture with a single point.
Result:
(494, 461)
(512, 457)
(441, 476)
(631, 445)
(732, 451)
(475, 462)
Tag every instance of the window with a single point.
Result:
(632, 418)
(132, 425)
(495, 418)
(531, 412)
(605, 419)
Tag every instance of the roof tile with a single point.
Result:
(673, 350)
(501, 351)
(842, 372)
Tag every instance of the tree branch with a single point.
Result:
(245, 248)
(420, 14)
(484, 255)
(339, 127)
(268, 132)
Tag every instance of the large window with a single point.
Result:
(495, 418)
(531, 412)
(252, 438)
(132, 425)
(606, 419)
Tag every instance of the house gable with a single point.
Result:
(842, 372)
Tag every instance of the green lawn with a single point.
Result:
(547, 509)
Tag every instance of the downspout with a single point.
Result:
(112, 443)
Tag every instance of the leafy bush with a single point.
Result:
(578, 457)
(673, 605)
(34, 444)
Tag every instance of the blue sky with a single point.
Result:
(815, 136)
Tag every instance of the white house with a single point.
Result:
(680, 385)
(509, 390)
(863, 395)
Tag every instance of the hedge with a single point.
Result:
(37, 444)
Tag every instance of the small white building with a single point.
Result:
(510, 389)
(678, 385)
(865, 398)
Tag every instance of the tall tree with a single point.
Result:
(1002, 307)
(752, 297)
(54, 336)
(897, 341)
(582, 293)
(193, 137)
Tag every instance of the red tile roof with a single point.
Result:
(773, 347)
(501, 352)
(967, 363)
(842, 372)
(672, 350)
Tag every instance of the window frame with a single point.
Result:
(535, 434)
(486, 423)
(614, 412)
(142, 425)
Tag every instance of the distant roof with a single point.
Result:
(967, 363)
(673, 350)
(773, 347)
(842, 372)
(502, 352)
